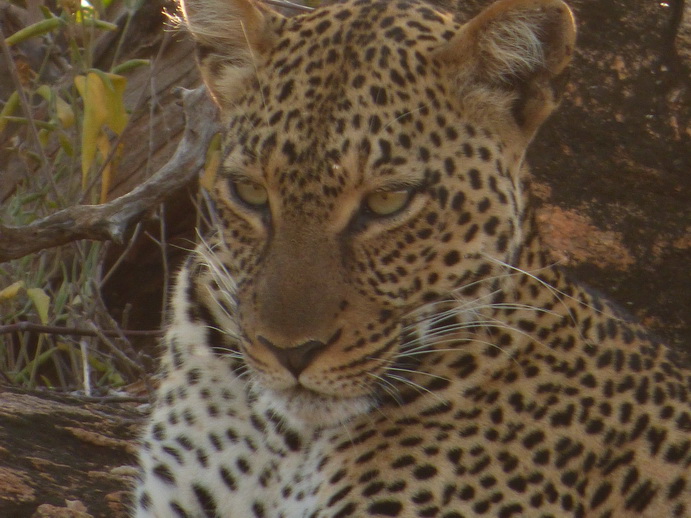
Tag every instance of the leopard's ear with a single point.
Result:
(517, 51)
(231, 37)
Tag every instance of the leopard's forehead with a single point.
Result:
(348, 95)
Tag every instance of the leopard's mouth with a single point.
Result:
(304, 407)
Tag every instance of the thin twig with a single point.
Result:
(116, 350)
(122, 256)
(29, 115)
(111, 221)
(134, 356)
(86, 371)
(110, 399)
(24, 327)
(164, 261)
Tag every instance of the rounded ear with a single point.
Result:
(518, 46)
(231, 36)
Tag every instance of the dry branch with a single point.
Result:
(112, 220)
(23, 327)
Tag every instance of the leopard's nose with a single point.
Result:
(296, 359)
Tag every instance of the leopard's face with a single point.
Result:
(365, 180)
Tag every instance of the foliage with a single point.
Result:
(63, 130)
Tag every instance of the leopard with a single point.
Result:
(372, 326)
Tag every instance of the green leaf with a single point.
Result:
(41, 302)
(33, 30)
(127, 66)
(8, 109)
(99, 24)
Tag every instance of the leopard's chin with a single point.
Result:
(306, 409)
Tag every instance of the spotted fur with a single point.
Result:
(374, 328)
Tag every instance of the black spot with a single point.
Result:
(457, 201)
(378, 95)
(290, 152)
(449, 166)
(451, 258)
(491, 226)
(402, 462)
(386, 22)
(642, 497)
(228, 479)
(242, 465)
(163, 472)
(470, 234)
(676, 488)
(396, 78)
(358, 81)
(475, 180)
(484, 153)
(425, 472)
(258, 510)
(510, 510)
(601, 495)
(322, 27)
(145, 501)
(206, 501)
(347, 510)
(339, 495)
(292, 440)
(286, 90)
(158, 432)
(179, 511)
(385, 508)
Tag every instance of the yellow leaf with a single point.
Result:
(44, 136)
(213, 160)
(11, 291)
(8, 109)
(66, 143)
(103, 106)
(64, 112)
(41, 302)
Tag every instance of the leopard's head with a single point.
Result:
(370, 168)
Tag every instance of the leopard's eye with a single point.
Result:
(251, 193)
(387, 203)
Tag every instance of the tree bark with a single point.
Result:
(65, 456)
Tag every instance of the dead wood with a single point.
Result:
(65, 456)
(112, 220)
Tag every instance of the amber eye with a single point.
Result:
(251, 193)
(386, 203)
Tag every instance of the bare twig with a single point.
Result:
(111, 220)
(164, 261)
(23, 327)
(28, 113)
(121, 258)
(128, 351)
(116, 350)
(110, 399)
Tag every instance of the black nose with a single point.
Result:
(295, 359)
